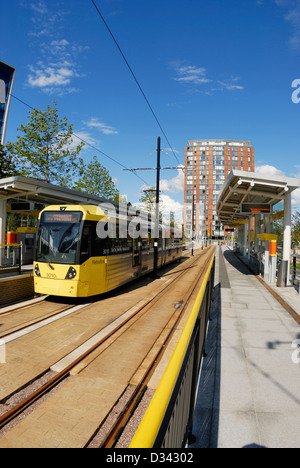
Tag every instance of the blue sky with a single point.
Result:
(210, 69)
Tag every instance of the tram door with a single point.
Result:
(137, 252)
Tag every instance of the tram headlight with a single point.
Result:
(71, 273)
(37, 270)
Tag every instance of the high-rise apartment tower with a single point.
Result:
(207, 164)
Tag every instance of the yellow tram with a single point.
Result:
(85, 250)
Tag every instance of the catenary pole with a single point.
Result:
(156, 237)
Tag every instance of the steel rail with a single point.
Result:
(40, 320)
(115, 433)
(22, 305)
(47, 387)
(151, 423)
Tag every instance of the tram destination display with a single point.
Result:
(62, 217)
(255, 208)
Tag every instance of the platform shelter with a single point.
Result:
(248, 205)
(36, 191)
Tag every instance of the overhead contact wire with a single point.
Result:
(135, 78)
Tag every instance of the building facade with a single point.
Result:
(207, 164)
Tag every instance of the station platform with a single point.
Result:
(249, 387)
(15, 287)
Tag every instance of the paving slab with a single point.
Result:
(249, 385)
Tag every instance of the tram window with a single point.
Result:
(97, 242)
(110, 245)
(120, 245)
(91, 244)
(57, 242)
(85, 248)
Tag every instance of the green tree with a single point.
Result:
(45, 149)
(7, 166)
(95, 179)
(278, 228)
(296, 230)
(148, 200)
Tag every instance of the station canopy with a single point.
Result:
(38, 191)
(245, 194)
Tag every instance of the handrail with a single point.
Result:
(11, 245)
(150, 425)
(295, 273)
(10, 257)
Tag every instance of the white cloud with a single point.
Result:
(196, 76)
(58, 58)
(167, 206)
(192, 75)
(296, 198)
(45, 21)
(39, 7)
(172, 206)
(102, 127)
(83, 136)
(292, 16)
(267, 170)
(230, 86)
(58, 46)
(176, 184)
(49, 76)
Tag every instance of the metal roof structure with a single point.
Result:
(251, 187)
(42, 192)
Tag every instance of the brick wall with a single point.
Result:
(16, 289)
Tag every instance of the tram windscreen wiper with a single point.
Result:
(58, 242)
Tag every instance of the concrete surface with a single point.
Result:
(249, 392)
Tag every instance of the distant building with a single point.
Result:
(207, 164)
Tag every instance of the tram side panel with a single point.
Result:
(96, 263)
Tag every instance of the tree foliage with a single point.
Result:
(45, 149)
(7, 166)
(296, 230)
(148, 200)
(95, 179)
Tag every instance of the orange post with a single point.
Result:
(12, 237)
(273, 248)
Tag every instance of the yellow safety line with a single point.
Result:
(150, 424)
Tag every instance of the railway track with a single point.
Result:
(119, 425)
(87, 353)
(32, 325)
